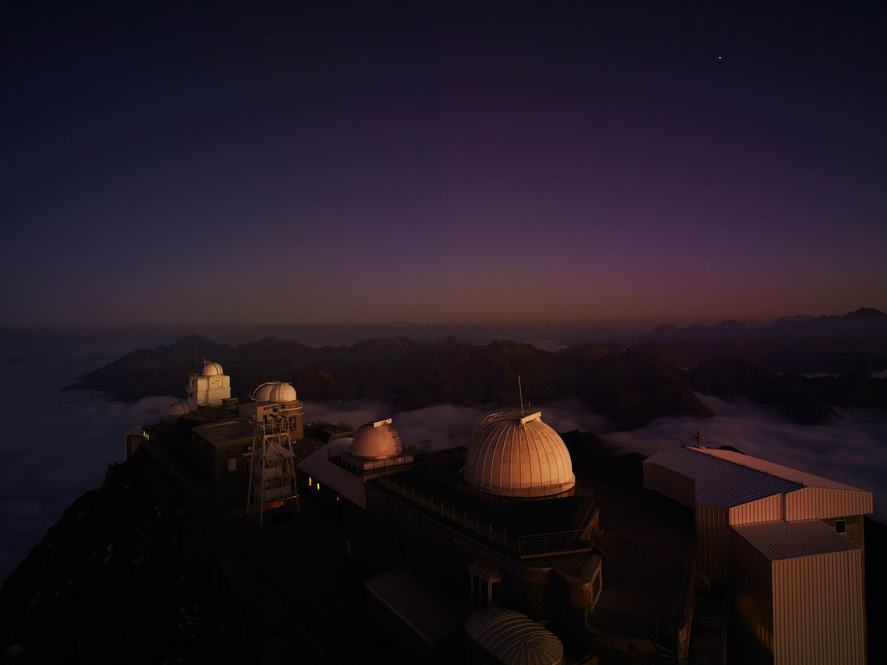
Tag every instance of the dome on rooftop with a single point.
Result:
(275, 391)
(211, 369)
(176, 410)
(376, 440)
(512, 638)
(511, 454)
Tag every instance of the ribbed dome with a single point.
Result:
(513, 638)
(514, 455)
(275, 391)
(211, 369)
(376, 440)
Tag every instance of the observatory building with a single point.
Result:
(496, 553)
(789, 545)
(493, 543)
(209, 387)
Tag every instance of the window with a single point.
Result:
(841, 526)
(232, 464)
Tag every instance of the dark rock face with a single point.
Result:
(108, 584)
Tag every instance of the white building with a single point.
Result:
(789, 545)
(209, 387)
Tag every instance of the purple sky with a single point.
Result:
(180, 163)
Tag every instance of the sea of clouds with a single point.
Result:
(56, 445)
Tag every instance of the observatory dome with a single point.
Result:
(515, 455)
(177, 410)
(376, 440)
(275, 391)
(211, 369)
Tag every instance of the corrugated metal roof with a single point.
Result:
(790, 540)
(318, 466)
(429, 617)
(806, 479)
(720, 482)
(513, 639)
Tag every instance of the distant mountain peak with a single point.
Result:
(865, 312)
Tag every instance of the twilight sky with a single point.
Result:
(298, 162)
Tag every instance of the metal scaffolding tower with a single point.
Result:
(272, 473)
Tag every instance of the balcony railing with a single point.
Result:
(523, 546)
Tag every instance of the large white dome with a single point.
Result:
(275, 391)
(515, 455)
(211, 369)
(376, 440)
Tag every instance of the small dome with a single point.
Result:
(211, 369)
(275, 391)
(515, 455)
(512, 638)
(283, 392)
(376, 440)
(177, 410)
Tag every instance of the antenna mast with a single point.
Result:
(699, 437)
(521, 393)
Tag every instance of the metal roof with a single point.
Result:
(806, 479)
(791, 540)
(513, 639)
(318, 466)
(429, 617)
(721, 482)
(229, 431)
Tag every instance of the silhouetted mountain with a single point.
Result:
(730, 377)
(815, 355)
(862, 324)
(631, 389)
(849, 390)
(630, 385)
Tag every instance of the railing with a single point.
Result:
(583, 511)
(543, 544)
(531, 545)
(337, 455)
